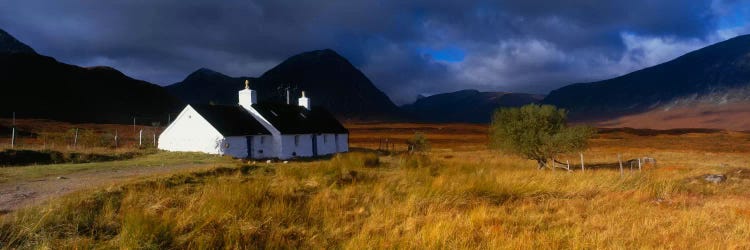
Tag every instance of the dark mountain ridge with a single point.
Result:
(205, 86)
(716, 69)
(466, 105)
(327, 78)
(37, 86)
(9, 44)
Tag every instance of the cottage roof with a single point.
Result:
(231, 120)
(292, 119)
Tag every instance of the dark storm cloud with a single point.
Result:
(519, 45)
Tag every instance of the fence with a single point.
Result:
(47, 134)
(632, 164)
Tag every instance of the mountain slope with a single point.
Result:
(9, 44)
(36, 86)
(208, 86)
(700, 75)
(466, 105)
(326, 77)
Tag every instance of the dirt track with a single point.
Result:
(18, 194)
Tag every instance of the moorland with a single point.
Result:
(459, 194)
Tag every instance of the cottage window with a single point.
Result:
(262, 139)
(325, 138)
(296, 140)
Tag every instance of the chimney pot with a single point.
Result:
(304, 101)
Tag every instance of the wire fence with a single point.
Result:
(52, 135)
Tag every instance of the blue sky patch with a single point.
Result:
(448, 54)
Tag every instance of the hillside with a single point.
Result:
(208, 86)
(37, 86)
(712, 76)
(9, 44)
(465, 105)
(326, 77)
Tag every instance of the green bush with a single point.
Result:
(418, 143)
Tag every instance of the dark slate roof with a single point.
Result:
(231, 120)
(291, 119)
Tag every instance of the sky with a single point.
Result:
(406, 48)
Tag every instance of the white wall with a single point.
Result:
(236, 146)
(290, 150)
(190, 132)
(304, 148)
(276, 150)
(326, 144)
(263, 147)
(343, 142)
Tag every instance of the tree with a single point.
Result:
(537, 132)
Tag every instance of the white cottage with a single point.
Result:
(256, 130)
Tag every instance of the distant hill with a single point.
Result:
(37, 86)
(466, 105)
(326, 77)
(714, 76)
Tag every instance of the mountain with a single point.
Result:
(711, 77)
(466, 105)
(9, 44)
(37, 86)
(325, 76)
(208, 86)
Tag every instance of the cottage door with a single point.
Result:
(249, 140)
(315, 144)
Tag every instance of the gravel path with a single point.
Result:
(18, 194)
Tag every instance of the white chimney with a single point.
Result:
(304, 101)
(247, 96)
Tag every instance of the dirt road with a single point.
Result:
(18, 194)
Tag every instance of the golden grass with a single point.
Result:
(448, 198)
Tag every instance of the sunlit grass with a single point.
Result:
(459, 195)
(481, 199)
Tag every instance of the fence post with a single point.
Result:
(553, 164)
(75, 139)
(568, 163)
(631, 166)
(582, 168)
(13, 132)
(619, 159)
(154, 139)
(639, 164)
(140, 138)
(116, 143)
(13, 138)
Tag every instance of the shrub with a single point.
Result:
(418, 143)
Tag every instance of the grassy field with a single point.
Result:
(459, 195)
